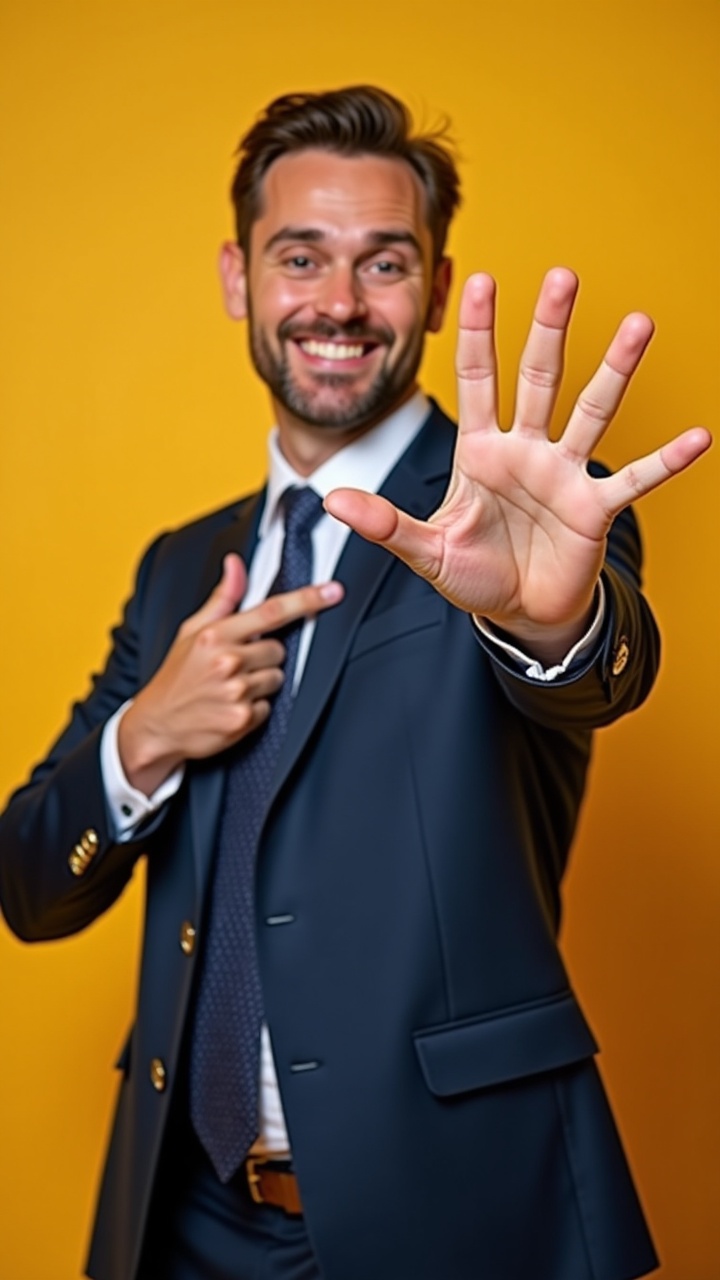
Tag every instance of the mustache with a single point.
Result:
(355, 331)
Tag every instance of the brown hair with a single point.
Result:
(359, 120)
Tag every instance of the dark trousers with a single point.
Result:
(200, 1229)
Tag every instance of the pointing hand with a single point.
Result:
(217, 681)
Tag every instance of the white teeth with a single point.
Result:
(332, 350)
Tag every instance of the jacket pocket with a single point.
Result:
(508, 1044)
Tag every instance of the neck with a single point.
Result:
(306, 446)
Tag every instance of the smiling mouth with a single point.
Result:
(336, 351)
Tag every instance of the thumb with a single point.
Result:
(224, 598)
(416, 542)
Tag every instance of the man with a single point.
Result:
(357, 1051)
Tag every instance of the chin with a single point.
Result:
(341, 412)
(334, 418)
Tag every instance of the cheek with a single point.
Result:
(407, 318)
(275, 300)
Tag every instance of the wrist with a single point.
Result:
(146, 757)
(546, 643)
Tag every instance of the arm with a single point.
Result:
(213, 687)
(64, 797)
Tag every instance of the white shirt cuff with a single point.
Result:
(127, 806)
(533, 669)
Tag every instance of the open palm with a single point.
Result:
(520, 535)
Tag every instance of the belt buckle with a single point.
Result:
(253, 1178)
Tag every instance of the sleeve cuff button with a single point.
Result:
(620, 657)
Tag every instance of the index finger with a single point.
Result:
(281, 610)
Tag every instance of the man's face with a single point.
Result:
(340, 287)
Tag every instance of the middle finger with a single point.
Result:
(541, 363)
(259, 655)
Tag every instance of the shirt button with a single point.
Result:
(158, 1074)
(188, 934)
(126, 810)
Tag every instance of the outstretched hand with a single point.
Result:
(520, 535)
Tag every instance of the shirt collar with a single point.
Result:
(362, 464)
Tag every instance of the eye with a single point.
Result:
(299, 262)
(385, 267)
(384, 270)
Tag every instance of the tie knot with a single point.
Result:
(302, 508)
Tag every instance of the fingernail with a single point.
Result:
(332, 592)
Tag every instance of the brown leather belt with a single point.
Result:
(270, 1183)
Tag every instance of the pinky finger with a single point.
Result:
(648, 473)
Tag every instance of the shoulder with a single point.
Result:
(181, 565)
(203, 528)
(195, 536)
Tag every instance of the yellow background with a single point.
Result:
(589, 136)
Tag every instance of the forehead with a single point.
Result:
(340, 195)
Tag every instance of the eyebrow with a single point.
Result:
(313, 235)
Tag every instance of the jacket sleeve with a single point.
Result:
(618, 673)
(60, 866)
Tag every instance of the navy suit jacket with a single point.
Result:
(446, 1117)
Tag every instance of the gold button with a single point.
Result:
(158, 1074)
(187, 937)
(620, 657)
(77, 861)
(90, 842)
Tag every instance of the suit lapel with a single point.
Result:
(417, 484)
(239, 534)
(207, 777)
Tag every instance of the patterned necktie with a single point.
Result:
(225, 1048)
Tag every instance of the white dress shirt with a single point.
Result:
(363, 464)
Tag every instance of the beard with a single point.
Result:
(334, 401)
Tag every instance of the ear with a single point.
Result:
(233, 278)
(442, 280)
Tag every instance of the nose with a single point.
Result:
(340, 296)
